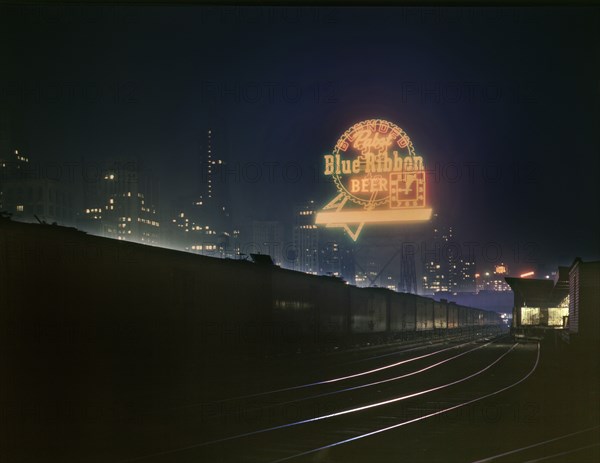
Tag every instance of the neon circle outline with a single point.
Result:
(336, 177)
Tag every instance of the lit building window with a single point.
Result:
(530, 315)
(556, 316)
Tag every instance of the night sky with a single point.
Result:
(506, 98)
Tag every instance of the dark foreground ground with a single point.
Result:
(487, 399)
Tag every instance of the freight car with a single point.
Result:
(321, 307)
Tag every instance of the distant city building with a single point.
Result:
(330, 258)
(389, 280)
(360, 279)
(493, 280)
(235, 244)
(446, 268)
(29, 195)
(123, 205)
(203, 239)
(436, 276)
(465, 276)
(268, 238)
(336, 256)
(369, 275)
(187, 233)
(306, 238)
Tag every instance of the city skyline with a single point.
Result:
(494, 153)
(200, 222)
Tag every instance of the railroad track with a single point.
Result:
(381, 395)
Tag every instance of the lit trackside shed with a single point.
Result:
(540, 305)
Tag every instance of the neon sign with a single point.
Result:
(378, 176)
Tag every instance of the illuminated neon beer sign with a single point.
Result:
(378, 176)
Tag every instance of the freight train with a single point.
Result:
(89, 291)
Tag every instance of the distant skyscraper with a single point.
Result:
(127, 210)
(438, 260)
(306, 238)
(212, 203)
(446, 267)
(188, 234)
(268, 238)
(208, 168)
(201, 222)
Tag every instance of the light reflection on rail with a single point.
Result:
(424, 417)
